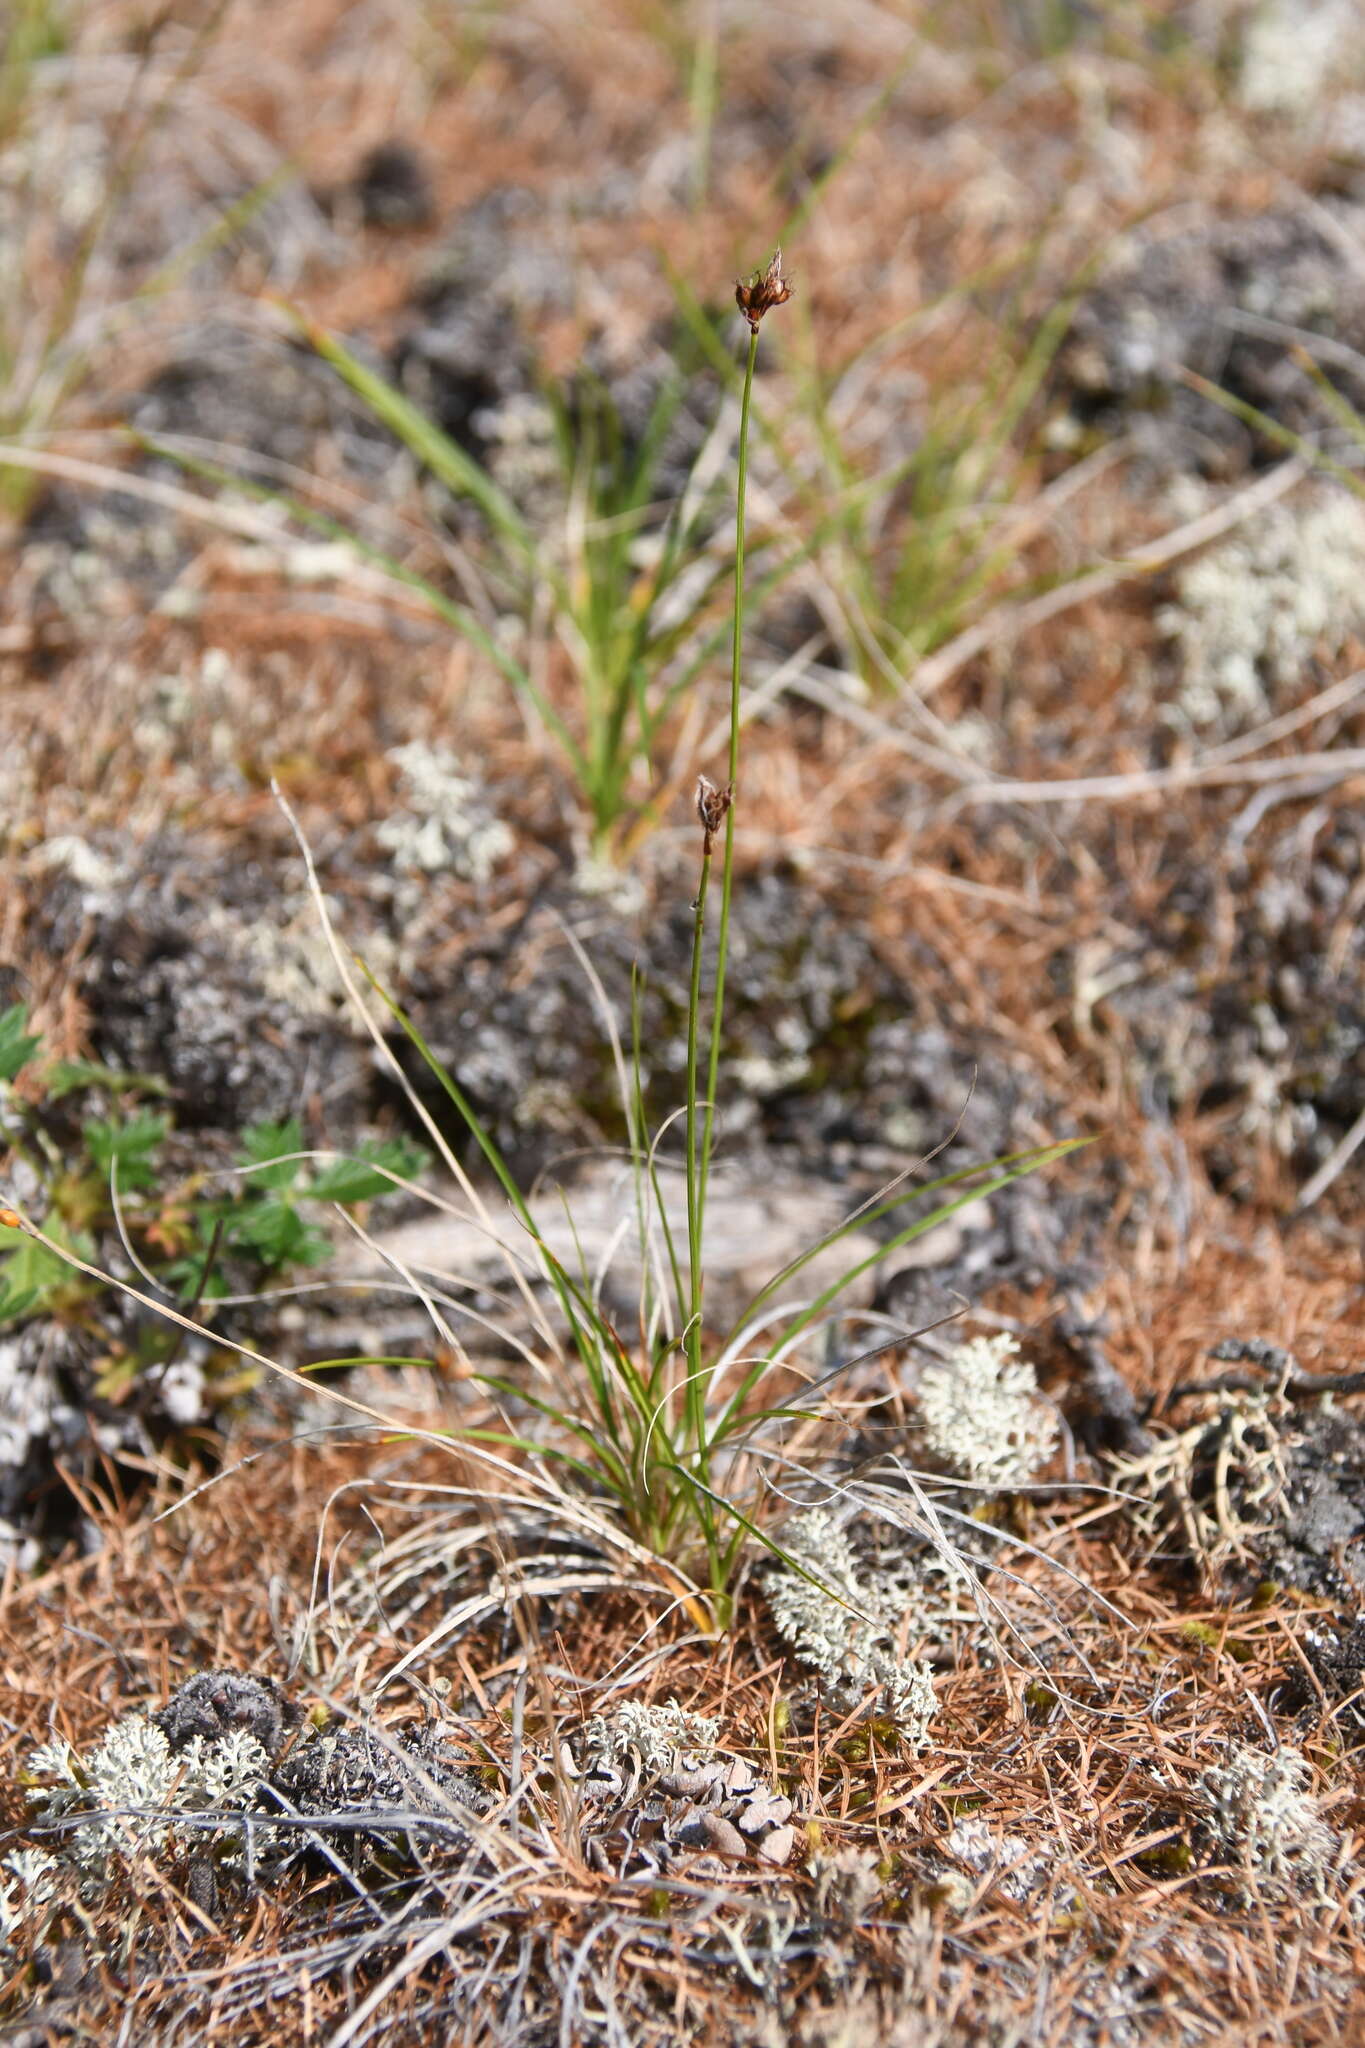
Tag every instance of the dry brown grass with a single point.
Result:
(1094, 1769)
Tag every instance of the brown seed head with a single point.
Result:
(712, 804)
(764, 290)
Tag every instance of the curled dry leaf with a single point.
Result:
(777, 1847)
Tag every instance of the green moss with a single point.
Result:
(1170, 1859)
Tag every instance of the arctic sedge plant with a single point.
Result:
(659, 1442)
(674, 1424)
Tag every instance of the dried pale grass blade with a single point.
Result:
(1008, 621)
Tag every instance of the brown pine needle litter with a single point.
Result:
(1053, 1851)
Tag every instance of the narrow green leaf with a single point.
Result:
(458, 471)
(17, 1043)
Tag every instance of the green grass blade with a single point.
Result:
(462, 476)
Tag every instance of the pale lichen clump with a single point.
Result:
(1222, 1481)
(446, 825)
(1004, 1860)
(1259, 1816)
(127, 1798)
(30, 1884)
(844, 1625)
(1292, 52)
(657, 1737)
(981, 1414)
(1252, 612)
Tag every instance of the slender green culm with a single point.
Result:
(736, 677)
(715, 807)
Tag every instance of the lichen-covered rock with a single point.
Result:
(213, 1704)
(371, 1782)
(196, 971)
(1216, 298)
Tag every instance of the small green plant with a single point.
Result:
(99, 1158)
(915, 551)
(633, 584)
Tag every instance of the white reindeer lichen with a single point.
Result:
(29, 1881)
(125, 1798)
(659, 1736)
(446, 825)
(981, 1414)
(1252, 612)
(1259, 1816)
(844, 1625)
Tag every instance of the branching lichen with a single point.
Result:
(29, 1885)
(446, 825)
(657, 1737)
(1221, 1481)
(981, 1414)
(1252, 612)
(126, 1798)
(1259, 1816)
(842, 1623)
(1006, 1859)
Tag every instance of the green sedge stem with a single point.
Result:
(728, 861)
(699, 1159)
(696, 1386)
(699, 1156)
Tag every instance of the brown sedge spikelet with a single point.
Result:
(712, 804)
(764, 290)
